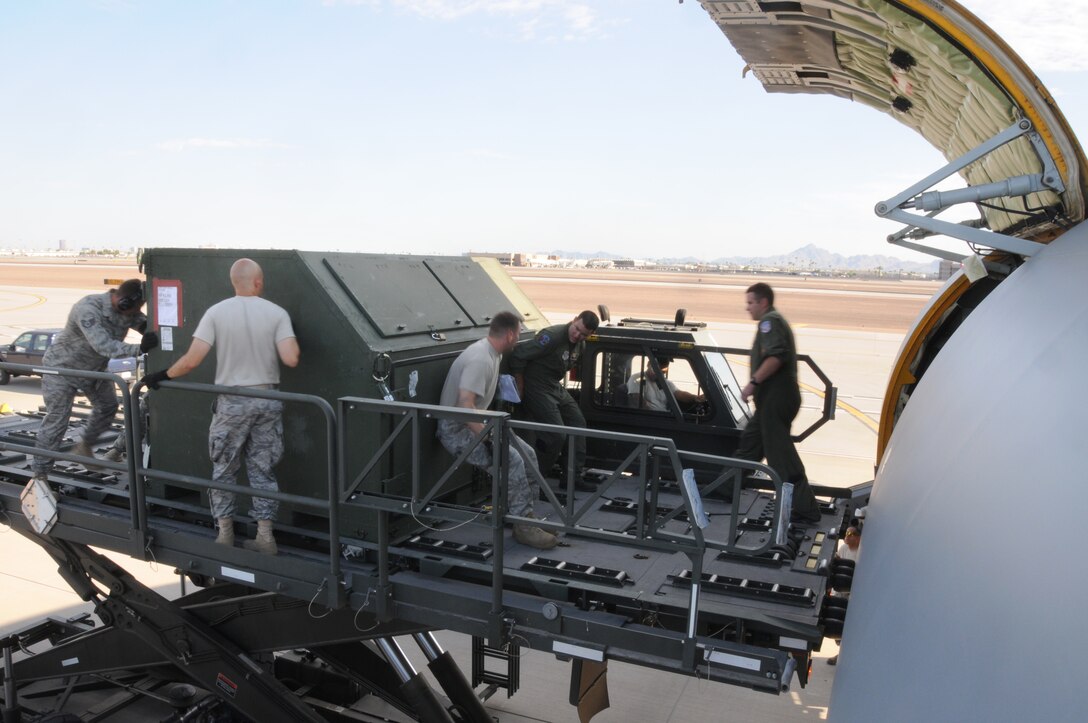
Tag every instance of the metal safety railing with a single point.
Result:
(424, 502)
(646, 464)
(830, 391)
(126, 406)
(138, 473)
(329, 506)
(648, 457)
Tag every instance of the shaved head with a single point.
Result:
(246, 277)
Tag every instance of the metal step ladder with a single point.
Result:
(510, 680)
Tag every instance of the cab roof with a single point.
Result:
(689, 333)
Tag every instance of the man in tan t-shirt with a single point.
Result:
(252, 337)
(470, 384)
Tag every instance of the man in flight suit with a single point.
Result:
(539, 367)
(252, 337)
(777, 399)
(93, 335)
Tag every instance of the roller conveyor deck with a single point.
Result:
(601, 594)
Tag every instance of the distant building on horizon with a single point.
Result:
(506, 258)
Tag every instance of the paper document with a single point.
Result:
(508, 389)
(692, 488)
(166, 307)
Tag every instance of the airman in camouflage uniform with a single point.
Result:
(93, 334)
(539, 367)
(245, 429)
(252, 336)
(522, 491)
(778, 399)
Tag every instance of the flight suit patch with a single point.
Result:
(544, 339)
(765, 326)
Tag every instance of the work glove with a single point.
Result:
(149, 341)
(152, 380)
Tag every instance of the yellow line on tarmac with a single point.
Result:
(848, 408)
(40, 300)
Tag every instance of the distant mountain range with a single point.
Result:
(806, 258)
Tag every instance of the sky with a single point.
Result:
(443, 126)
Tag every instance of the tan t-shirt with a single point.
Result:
(244, 331)
(475, 369)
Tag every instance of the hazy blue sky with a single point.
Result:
(431, 126)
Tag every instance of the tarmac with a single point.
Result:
(840, 454)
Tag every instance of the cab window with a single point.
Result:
(723, 375)
(41, 342)
(630, 381)
(611, 370)
(22, 343)
(651, 386)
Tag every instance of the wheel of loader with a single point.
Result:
(833, 614)
(836, 603)
(833, 629)
(842, 583)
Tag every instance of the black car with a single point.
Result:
(29, 348)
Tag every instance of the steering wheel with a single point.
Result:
(697, 409)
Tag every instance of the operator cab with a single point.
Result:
(671, 379)
(667, 376)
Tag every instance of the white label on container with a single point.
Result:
(238, 574)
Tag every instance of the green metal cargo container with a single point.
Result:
(367, 325)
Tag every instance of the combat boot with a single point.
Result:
(226, 531)
(114, 455)
(84, 450)
(535, 537)
(264, 543)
